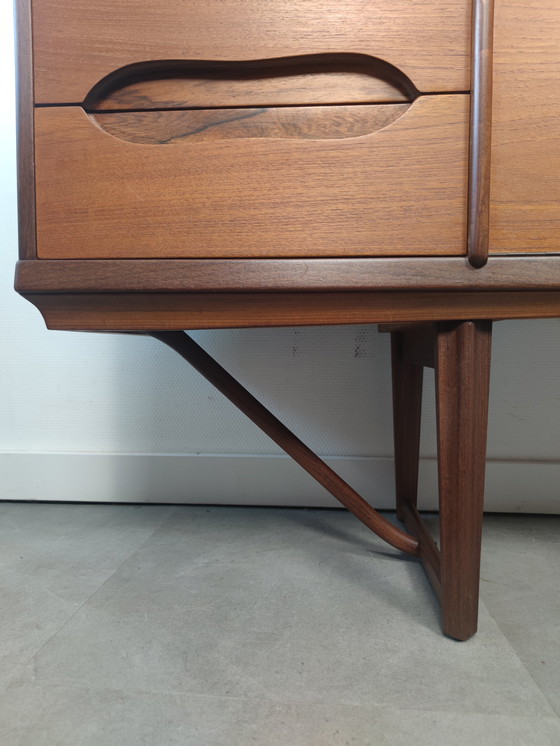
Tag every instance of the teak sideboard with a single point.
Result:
(189, 165)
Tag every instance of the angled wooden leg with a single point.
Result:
(304, 456)
(460, 354)
(412, 349)
(462, 372)
(407, 413)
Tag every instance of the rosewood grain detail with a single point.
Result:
(289, 122)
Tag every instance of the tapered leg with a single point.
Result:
(462, 371)
(407, 412)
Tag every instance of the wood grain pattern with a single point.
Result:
(525, 185)
(176, 311)
(462, 374)
(462, 388)
(324, 79)
(205, 125)
(526, 273)
(77, 43)
(25, 144)
(400, 190)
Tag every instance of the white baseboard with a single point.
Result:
(511, 486)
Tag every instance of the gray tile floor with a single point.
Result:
(132, 625)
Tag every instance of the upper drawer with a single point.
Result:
(77, 42)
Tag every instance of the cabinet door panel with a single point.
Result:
(525, 182)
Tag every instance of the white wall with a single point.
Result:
(103, 417)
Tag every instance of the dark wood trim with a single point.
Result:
(416, 346)
(402, 327)
(460, 353)
(480, 132)
(462, 386)
(407, 414)
(175, 311)
(25, 142)
(278, 275)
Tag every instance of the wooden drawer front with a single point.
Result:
(398, 190)
(77, 43)
(525, 184)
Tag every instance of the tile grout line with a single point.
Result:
(287, 701)
(554, 712)
(88, 599)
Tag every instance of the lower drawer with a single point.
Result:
(399, 190)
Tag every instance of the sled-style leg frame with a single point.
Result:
(460, 354)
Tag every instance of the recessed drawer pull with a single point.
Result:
(298, 80)
(305, 122)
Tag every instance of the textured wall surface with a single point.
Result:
(65, 395)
